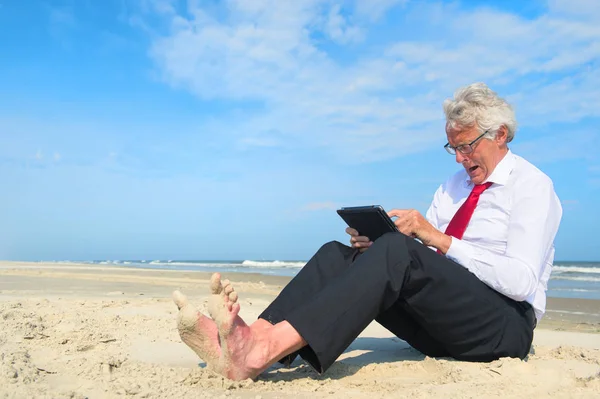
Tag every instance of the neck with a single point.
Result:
(497, 159)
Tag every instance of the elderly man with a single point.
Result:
(472, 287)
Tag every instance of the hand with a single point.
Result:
(359, 242)
(411, 223)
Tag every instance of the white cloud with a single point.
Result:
(339, 29)
(375, 9)
(383, 101)
(578, 8)
(39, 155)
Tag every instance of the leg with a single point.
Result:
(402, 324)
(330, 261)
(470, 320)
(464, 317)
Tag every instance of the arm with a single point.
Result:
(534, 221)
(432, 215)
(411, 223)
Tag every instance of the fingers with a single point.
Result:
(404, 226)
(358, 241)
(362, 245)
(409, 222)
(399, 213)
(351, 231)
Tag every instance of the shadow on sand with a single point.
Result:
(362, 352)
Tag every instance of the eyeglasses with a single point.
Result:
(463, 148)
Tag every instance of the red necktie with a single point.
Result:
(460, 220)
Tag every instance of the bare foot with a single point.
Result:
(222, 302)
(227, 344)
(197, 331)
(243, 353)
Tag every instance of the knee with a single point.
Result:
(392, 239)
(394, 245)
(332, 246)
(334, 250)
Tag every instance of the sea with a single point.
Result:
(568, 279)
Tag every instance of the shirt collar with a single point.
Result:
(501, 172)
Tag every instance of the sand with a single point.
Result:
(80, 331)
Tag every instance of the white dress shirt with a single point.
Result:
(509, 242)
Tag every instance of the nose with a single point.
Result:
(460, 157)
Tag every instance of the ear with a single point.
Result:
(502, 135)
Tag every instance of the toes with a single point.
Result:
(235, 309)
(179, 299)
(227, 287)
(215, 284)
(233, 297)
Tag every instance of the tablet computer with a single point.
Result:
(370, 221)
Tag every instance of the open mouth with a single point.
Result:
(472, 169)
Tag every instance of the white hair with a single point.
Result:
(479, 105)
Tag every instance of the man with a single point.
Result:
(472, 287)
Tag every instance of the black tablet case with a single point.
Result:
(370, 221)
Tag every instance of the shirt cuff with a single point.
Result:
(459, 252)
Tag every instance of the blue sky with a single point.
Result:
(159, 129)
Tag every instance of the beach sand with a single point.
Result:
(76, 331)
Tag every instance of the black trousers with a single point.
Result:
(422, 297)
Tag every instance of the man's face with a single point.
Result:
(486, 154)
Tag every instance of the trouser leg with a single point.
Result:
(402, 324)
(329, 261)
(469, 320)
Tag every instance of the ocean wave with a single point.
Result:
(572, 312)
(188, 263)
(576, 278)
(274, 264)
(576, 269)
(174, 264)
